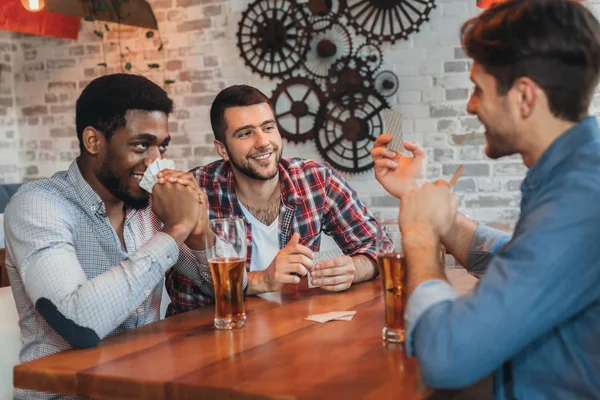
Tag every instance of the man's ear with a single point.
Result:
(221, 149)
(93, 140)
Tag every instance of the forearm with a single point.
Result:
(84, 310)
(458, 239)
(365, 268)
(422, 258)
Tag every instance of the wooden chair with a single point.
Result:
(3, 274)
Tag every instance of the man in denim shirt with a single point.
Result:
(534, 318)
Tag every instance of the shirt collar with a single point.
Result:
(89, 198)
(572, 139)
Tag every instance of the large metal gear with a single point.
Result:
(297, 103)
(387, 20)
(348, 76)
(349, 128)
(325, 12)
(271, 39)
(371, 54)
(327, 47)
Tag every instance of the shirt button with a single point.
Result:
(146, 293)
(169, 259)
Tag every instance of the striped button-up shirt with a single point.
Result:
(315, 199)
(71, 277)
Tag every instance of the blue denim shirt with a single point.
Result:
(534, 317)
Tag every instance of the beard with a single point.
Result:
(111, 181)
(247, 168)
(498, 146)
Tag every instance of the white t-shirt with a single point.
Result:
(265, 241)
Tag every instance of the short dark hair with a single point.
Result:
(106, 100)
(233, 96)
(556, 43)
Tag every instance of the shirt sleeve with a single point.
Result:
(485, 244)
(40, 237)
(548, 273)
(347, 220)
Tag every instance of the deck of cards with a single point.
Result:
(149, 179)
(392, 123)
(322, 256)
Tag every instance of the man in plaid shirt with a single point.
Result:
(285, 203)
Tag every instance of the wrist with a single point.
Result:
(256, 283)
(179, 233)
(419, 234)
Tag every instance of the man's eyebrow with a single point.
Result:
(243, 128)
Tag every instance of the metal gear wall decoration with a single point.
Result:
(326, 47)
(387, 20)
(386, 83)
(270, 38)
(371, 54)
(297, 103)
(350, 127)
(327, 11)
(281, 38)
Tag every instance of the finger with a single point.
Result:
(333, 280)
(333, 271)
(286, 278)
(414, 148)
(456, 175)
(382, 152)
(442, 183)
(295, 239)
(293, 269)
(337, 288)
(339, 261)
(300, 259)
(382, 140)
(202, 197)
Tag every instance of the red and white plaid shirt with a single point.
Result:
(315, 200)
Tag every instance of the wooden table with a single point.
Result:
(278, 355)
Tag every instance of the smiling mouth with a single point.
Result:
(138, 176)
(262, 157)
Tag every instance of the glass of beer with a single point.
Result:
(392, 269)
(226, 251)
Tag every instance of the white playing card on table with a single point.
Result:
(392, 123)
(323, 256)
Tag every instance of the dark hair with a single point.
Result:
(556, 43)
(233, 96)
(105, 101)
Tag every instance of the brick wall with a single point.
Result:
(40, 79)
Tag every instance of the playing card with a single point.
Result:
(165, 163)
(154, 167)
(149, 179)
(392, 122)
(332, 316)
(322, 256)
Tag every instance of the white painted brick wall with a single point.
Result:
(40, 79)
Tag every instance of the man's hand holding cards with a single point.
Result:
(332, 271)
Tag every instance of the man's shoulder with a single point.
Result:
(208, 172)
(42, 195)
(303, 166)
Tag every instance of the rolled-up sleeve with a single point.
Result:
(486, 243)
